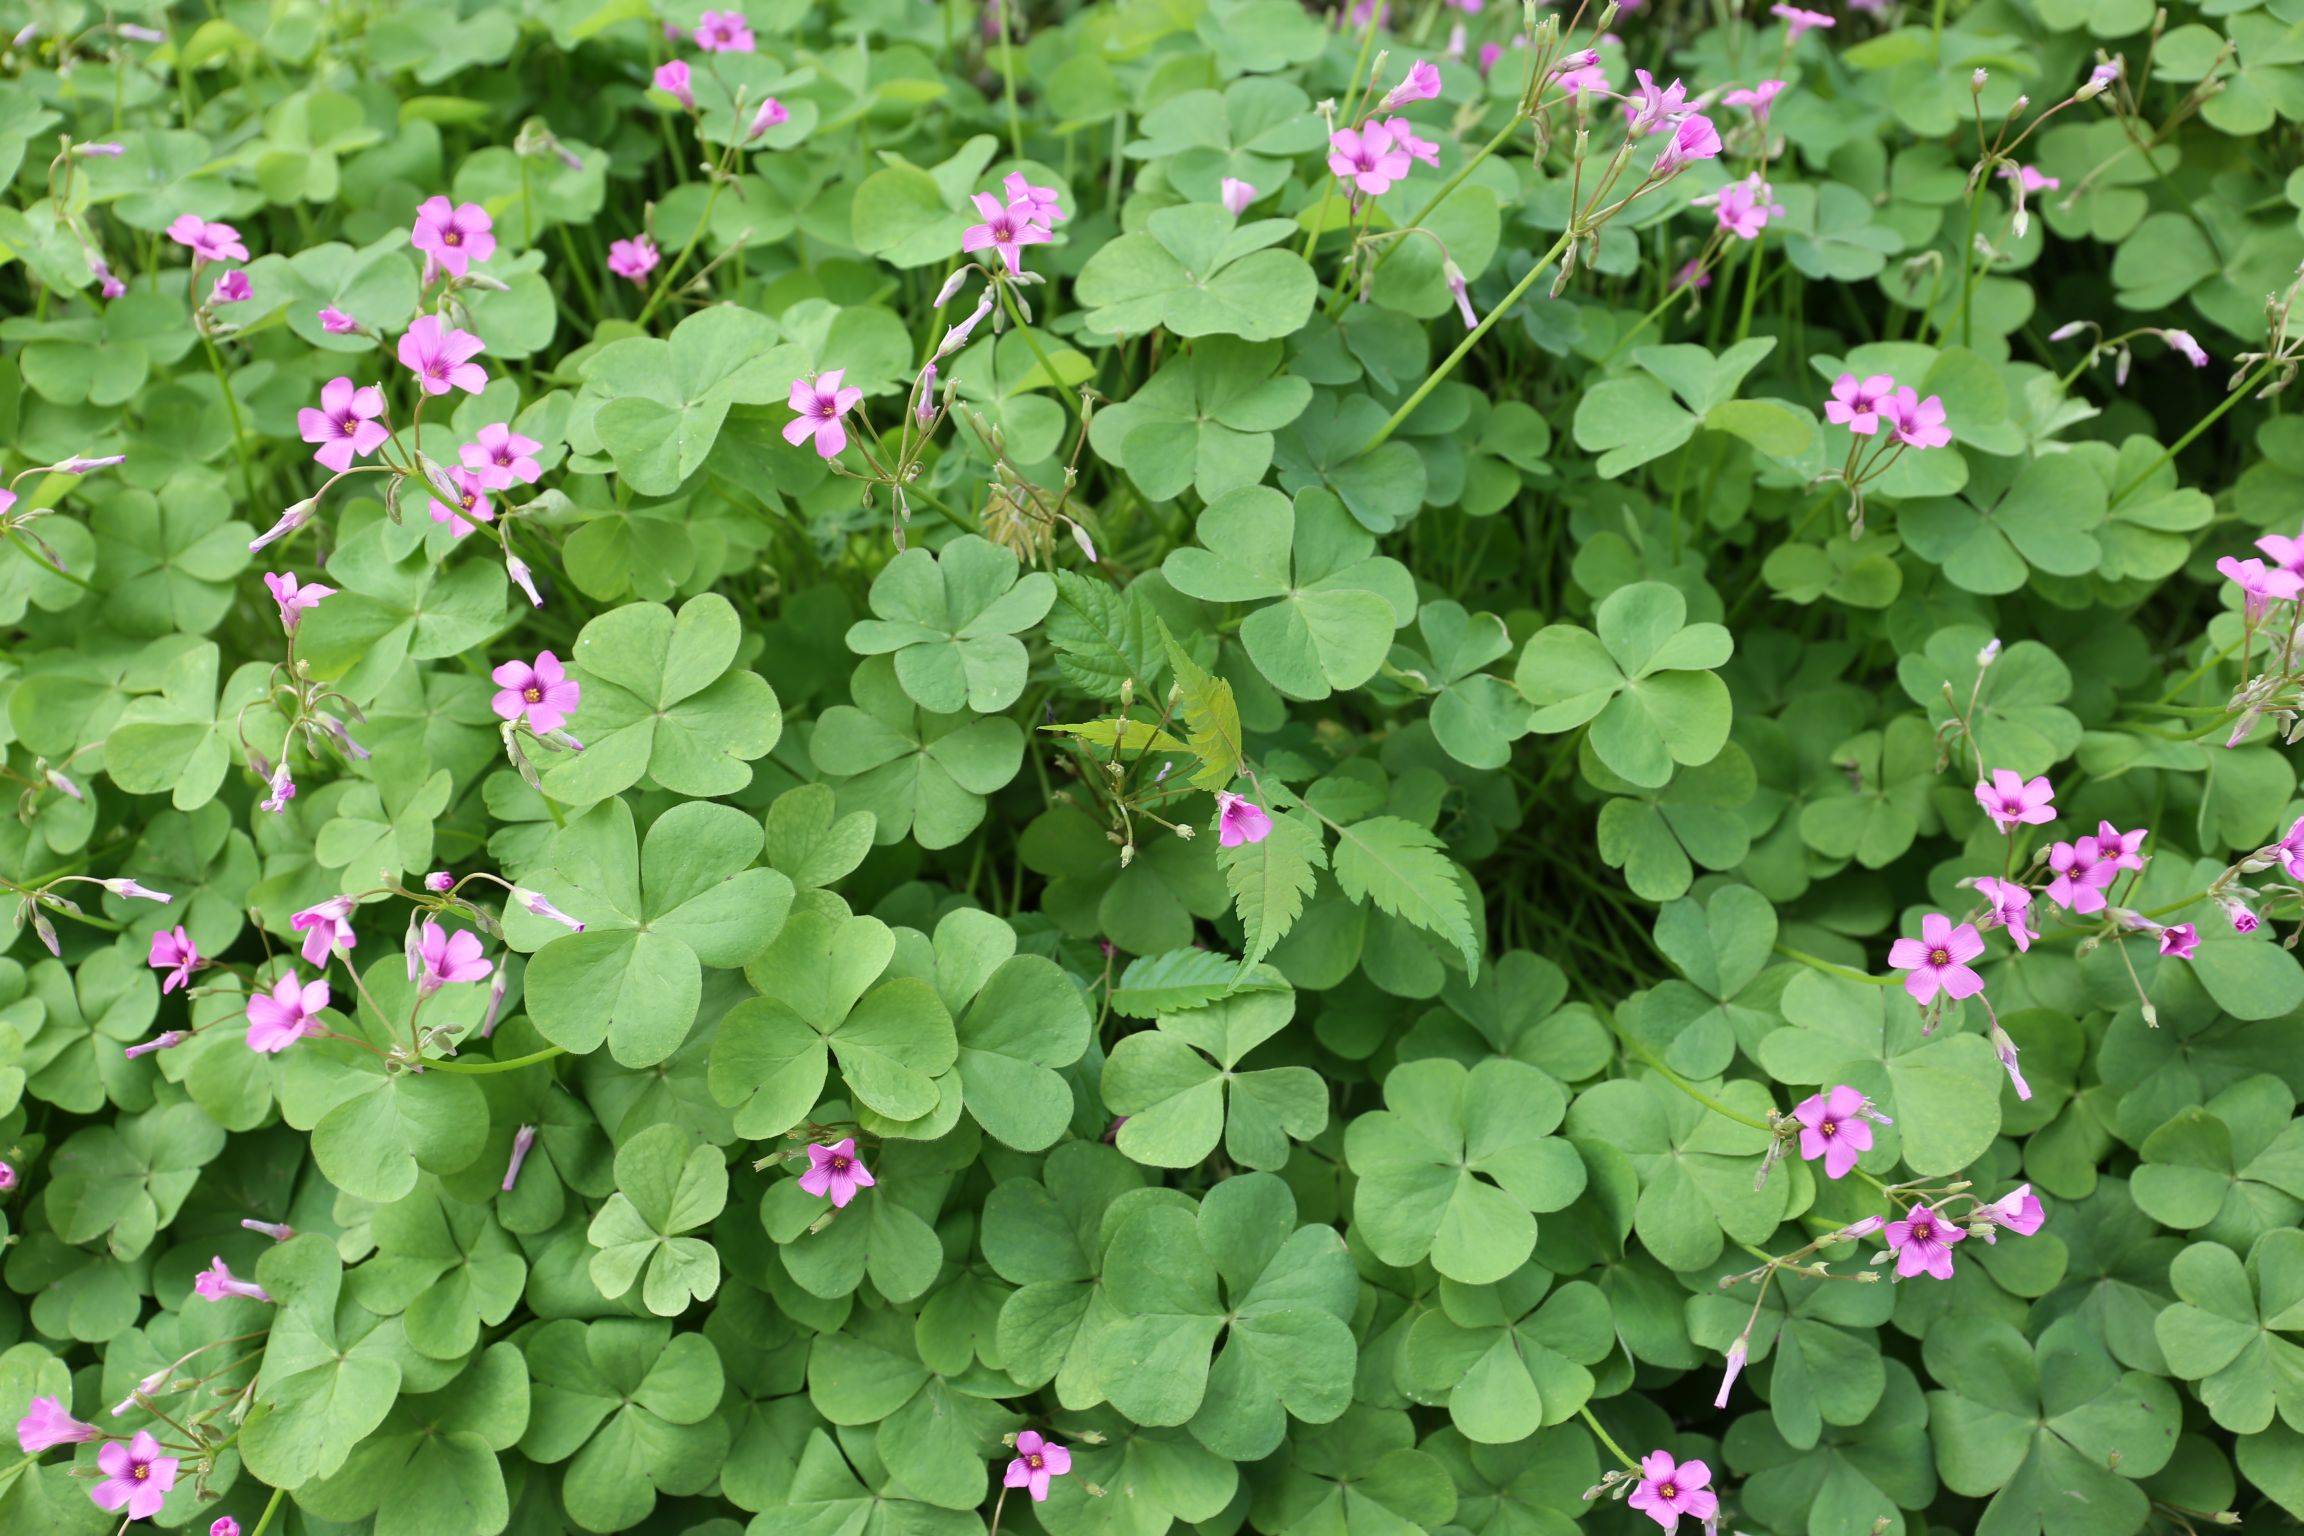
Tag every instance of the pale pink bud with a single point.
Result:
(517, 569)
(522, 1140)
(278, 1231)
(130, 888)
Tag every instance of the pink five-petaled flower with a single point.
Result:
(174, 952)
(1404, 134)
(231, 288)
(471, 506)
(1042, 205)
(46, 1425)
(2260, 586)
(1922, 1243)
(294, 597)
(217, 1282)
(2192, 351)
(2011, 908)
(2243, 920)
(543, 692)
(441, 358)
(1745, 207)
(1368, 159)
(498, 457)
(7, 1177)
(1693, 138)
(1240, 820)
(1037, 1460)
(454, 235)
(836, 1172)
(1236, 195)
(1918, 423)
(1938, 959)
(1421, 84)
(672, 80)
(327, 928)
(1800, 21)
(2011, 800)
(2287, 552)
(1007, 229)
(724, 32)
(2018, 1210)
(444, 959)
(2124, 849)
(285, 1015)
(345, 425)
(335, 322)
(1858, 404)
(1651, 108)
(2179, 940)
(821, 402)
(225, 1526)
(1832, 1127)
(1757, 100)
(2082, 875)
(1670, 1489)
(136, 1476)
(208, 242)
(633, 259)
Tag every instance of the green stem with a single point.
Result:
(672, 271)
(1844, 972)
(1038, 356)
(239, 428)
(1590, 1422)
(270, 1509)
(2198, 427)
(1685, 1086)
(1008, 82)
(1464, 347)
(1751, 290)
(517, 1062)
(1335, 305)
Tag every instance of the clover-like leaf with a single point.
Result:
(665, 1187)
(1177, 1105)
(950, 620)
(1644, 683)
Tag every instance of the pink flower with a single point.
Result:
(1693, 138)
(724, 32)
(2259, 586)
(2286, 552)
(1007, 228)
(836, 1171)
(217, 1282)
(441, 358)
(821, 402)
(1745, 207)
(292, 598)
(634, 259)
(454, 235)
(2011, 800)
(1037, 1460)
(1692, 275)
(1918, 423)
(173, 952)
(2029, 178)
(772, 114)
(544, 692)
(1421, 84)
(345, 426)
(522, 1140)
(8, 1171)
(1922, 1243)
(472, 504)
(281, 788)
(1757, 100)
(2019, 1211)
(1041, 204)
(672, 80)
(1832, 1127)
(225, 1526)
(335, 322)
(2005, 1049)
(499, 457)
(1670, 1489)
(2242, 919)
(1581, 72)
(231, 288)
(2011, 908)
(1367, 159)
(1652, 109)
(2179, 941)
(285, 1015)
(2182, 341)
(1236, 195)
(444, 958)
(2082, 875)
(208, 242)
(327, 928)
(1404, 134)
(1240, 820)
(136, 1476)
(109, 286)
(1800, 21)
(1489, 54)
(1938, 959)
(46, 1425)
(2124, 849)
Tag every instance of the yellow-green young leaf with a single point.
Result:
(1127, 735)
(1271, 881)
(1211, 717)
(1399, 866)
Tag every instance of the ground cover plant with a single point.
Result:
(917, 769)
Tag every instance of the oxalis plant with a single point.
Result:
(917, 769)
